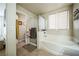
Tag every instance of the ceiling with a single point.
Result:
(38, 8)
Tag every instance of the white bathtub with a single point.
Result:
(59, 45)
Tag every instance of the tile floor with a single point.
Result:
(37, 52)
(2, 52)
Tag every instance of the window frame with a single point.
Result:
(56, 19)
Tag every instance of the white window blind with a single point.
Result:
(59, 20)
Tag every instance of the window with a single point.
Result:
(1, 26)
(59, 20)
(41, 22)
(2, 20)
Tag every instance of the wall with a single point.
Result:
(28, 18)
(11, 29)
(22, 28)
(76, 24)
(31, 18)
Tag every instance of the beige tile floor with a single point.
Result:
(37, 52)
(2, 52)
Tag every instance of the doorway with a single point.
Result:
(26, 36)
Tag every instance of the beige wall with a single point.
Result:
(11, 29)
(22, 28)
(28, 18)
(31, 18)
(76, 24)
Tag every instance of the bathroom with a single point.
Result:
(28, 29)
(60, 38)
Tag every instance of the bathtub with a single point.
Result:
(59, 45)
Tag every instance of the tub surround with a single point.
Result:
(58, 44)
